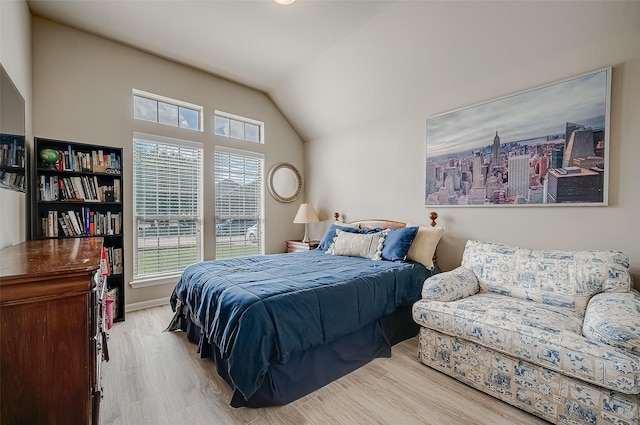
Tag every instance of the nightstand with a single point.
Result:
(298, 246)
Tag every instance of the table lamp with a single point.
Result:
(306, 214)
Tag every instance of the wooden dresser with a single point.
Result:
(51, 333)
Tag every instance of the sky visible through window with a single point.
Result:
(237, 129)
(165, 113)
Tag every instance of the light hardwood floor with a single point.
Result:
(156, 378)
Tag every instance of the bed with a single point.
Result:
(283, 325)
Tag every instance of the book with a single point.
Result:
(50, 224)
(109, 227)
(55, 190)
(78, 185)
(87, 224)
(63, 226)
(69, 160)
(113, 295)
(117, 261)
(42, 187)
(75, 222)
(94, 182)
(67, 221)
(116, 190)
(80, 218)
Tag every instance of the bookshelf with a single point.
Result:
(77, 192)
(12, 162)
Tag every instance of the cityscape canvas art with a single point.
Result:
(541, 147)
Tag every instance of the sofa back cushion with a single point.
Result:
(560, 278)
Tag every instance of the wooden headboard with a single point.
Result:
(386, 224)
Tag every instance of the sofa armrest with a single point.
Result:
(613, 318)
(450, 286)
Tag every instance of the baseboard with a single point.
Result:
(146, 304)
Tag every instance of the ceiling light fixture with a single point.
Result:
(284, 2)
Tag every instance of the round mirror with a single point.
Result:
(284, 182)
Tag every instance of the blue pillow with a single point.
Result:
(327, 240)
(397, 243)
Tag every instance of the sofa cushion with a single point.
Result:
(545, 335)
(450, 286)
(614, 319)
(558, 278)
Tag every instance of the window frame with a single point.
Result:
(244, 121)
(172, 102)
(261, 219)
(144, 280)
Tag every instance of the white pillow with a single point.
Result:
(424, 245)
(366, 245)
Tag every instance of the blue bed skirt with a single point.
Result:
(309, 370)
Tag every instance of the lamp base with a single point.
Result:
(306, 238)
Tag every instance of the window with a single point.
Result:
(237, 127)
(239, 203)
(167, 193)
(160, 109)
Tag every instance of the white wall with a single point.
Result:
(82, 92)
(376, 168)
(15, 56)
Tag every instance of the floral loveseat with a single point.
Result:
(555, 333)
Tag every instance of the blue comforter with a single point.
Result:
(258, 310)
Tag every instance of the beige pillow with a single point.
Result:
(424, 245)
(366, 245)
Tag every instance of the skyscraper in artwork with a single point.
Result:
(477, 176)
(579, 143)
(496, 151)
(519, 176)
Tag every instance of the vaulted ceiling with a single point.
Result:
(331, 64)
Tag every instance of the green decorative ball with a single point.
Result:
(49, 156)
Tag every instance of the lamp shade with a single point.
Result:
(306, 214)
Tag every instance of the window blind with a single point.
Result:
(167, 194)
(239, 199)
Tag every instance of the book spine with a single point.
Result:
(78, 184)
(109, 224)
(42, 187)
(117, 261)
(69, 224)
(87, 223)
(62, 190)
(63, 225)
(116, 190)
(69, 155)
(75, 222)
(80, 219)
(51, 224)
(55, 188)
